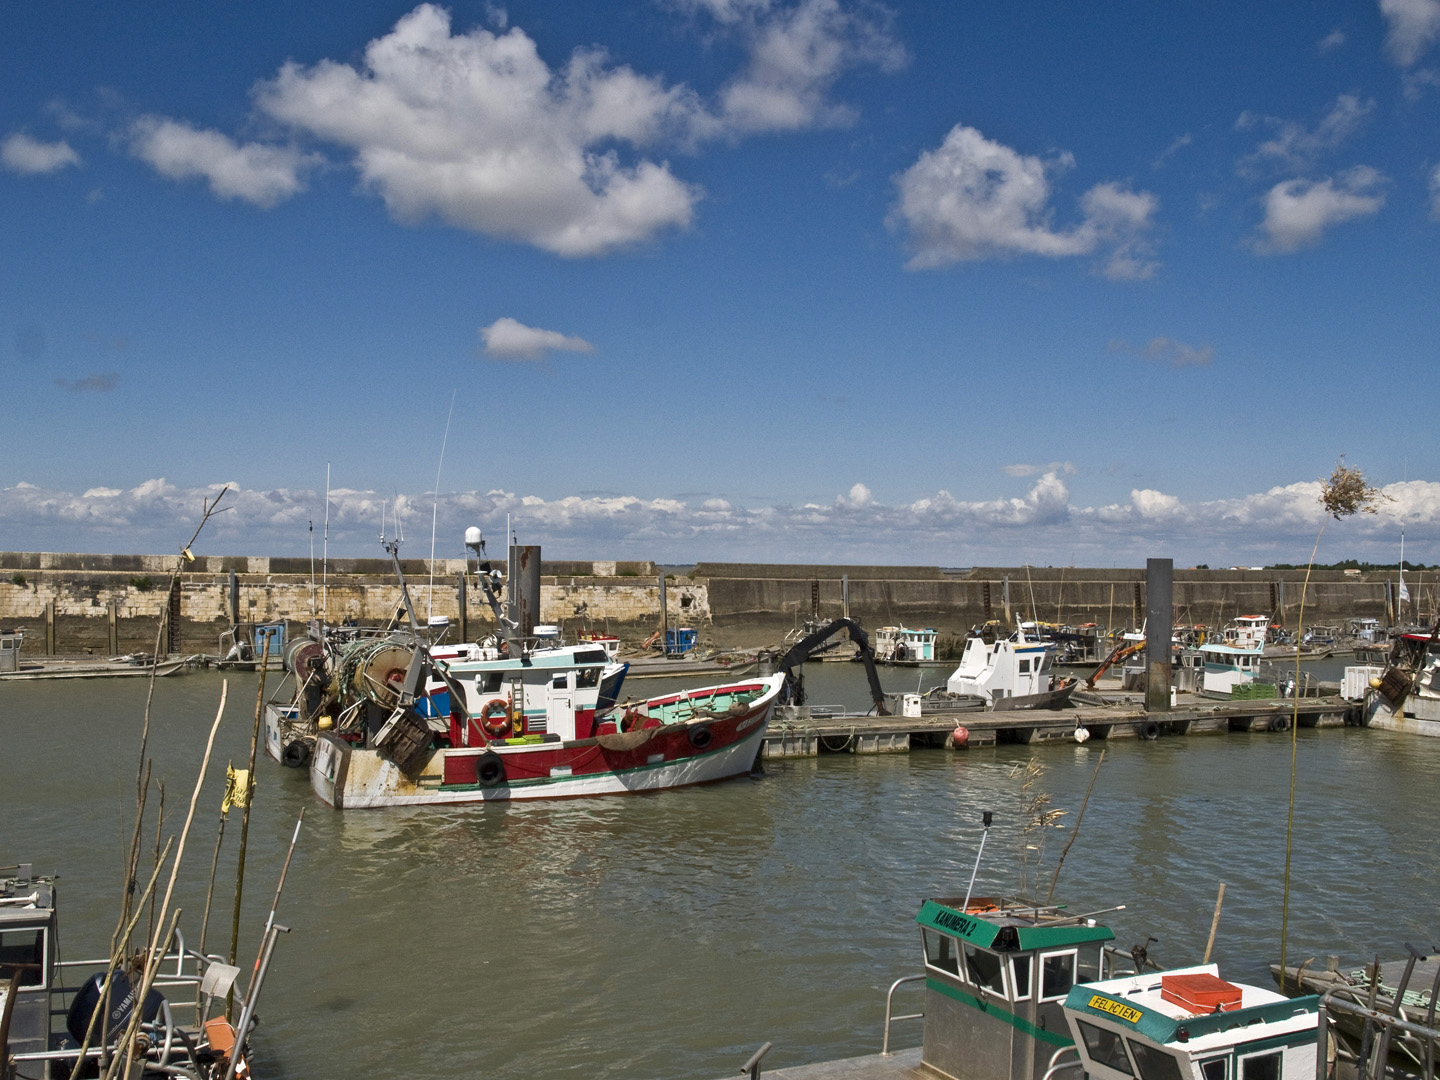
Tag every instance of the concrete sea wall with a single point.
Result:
(107, 604)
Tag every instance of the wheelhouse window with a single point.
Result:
(984, 969)
(23, 952)
(585, 678)
(1087, 963)
(1057, 975)
(1154, 1063)
(1020, 976)
(1260, 1067)
(1105, 1047)
(941, 951)
(489, 682)
(1215, 1068)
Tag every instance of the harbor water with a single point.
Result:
(669, 935)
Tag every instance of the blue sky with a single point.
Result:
(723, 279)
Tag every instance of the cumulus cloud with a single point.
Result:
(510, 339)
(1039, 526)
(1168, 351)
(252, 172)
(1413, 27)
(796, 55)
(973, 198)
(1298, 212)
(477, 130)
(20, 153)
(1296, 148)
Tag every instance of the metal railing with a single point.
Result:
(1376, 1037)
(889, 1014)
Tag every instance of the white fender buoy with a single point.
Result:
(1081, 734)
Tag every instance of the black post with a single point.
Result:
(1159, 629)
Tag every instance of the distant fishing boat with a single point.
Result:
(900, 646)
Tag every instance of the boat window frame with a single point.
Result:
(1087, 1046)
(1016, 961)
(1223, 1059)
(1074, 964)
(941, 936)
(1135, 1046)
(42, 932)
(1276, 1052)
(1000, 966)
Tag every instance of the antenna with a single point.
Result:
(986, 818)
(325, 551)
(435, 506)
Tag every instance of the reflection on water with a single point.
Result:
(668, 935)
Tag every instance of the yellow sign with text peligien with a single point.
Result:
(1114, 1008)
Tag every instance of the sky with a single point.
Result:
(725, 280)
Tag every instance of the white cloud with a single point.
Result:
(253, 172)
(1179, 143)
(20, 153)
(1297, 212)
(1435, 193)
(1330, 42)
(1041, 526)
(511, 339)
(973, 198)
(1414, 25)
(477, 130)
(1295, 148)
(796, 56)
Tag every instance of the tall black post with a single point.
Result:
(1159, 629)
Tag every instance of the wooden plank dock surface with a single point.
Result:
(795, 732)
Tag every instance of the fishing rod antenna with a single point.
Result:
(985, 819)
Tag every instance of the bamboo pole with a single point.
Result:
(1215, 924)
(1075, 831)
(156, 954)
(245, 810)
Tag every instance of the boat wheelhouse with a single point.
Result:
(997, 974)
(899, 645)
(1189, 1024)
(1008, 673)
(1225, 668)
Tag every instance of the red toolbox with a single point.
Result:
(1200, 993)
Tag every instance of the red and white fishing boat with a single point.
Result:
(538, 738)
(526, 720)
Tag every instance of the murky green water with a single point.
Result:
(668, 935)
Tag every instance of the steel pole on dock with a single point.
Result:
(1159, 629)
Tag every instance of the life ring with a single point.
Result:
(489, 769)
(296, 754)
(700, 736)
(495, 718)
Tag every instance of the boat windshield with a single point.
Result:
(23, 951)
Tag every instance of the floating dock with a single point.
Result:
(796, 731)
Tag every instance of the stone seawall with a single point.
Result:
(112, 604)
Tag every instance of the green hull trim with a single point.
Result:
(1021, 1025)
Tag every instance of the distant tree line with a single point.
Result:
(1353, 564)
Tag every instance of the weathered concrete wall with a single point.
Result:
(732, 604)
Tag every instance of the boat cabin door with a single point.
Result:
(560, 704)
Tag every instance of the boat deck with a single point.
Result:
(797, 733)
(900, 1065)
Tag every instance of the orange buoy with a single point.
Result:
(960, 737)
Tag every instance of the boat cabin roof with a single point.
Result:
(1009, 925)
(26, 901)
(563, 658)
(1138, 1006)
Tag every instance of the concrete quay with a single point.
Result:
(794, 732)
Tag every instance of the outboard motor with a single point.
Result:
(122, 1004)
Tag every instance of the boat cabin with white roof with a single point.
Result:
(1189, 1024)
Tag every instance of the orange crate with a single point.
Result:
(1200, 993)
